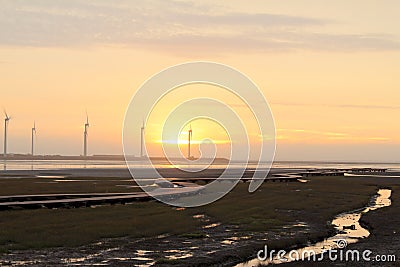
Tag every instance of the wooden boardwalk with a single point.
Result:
(86, 200)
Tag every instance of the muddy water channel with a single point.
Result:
(349, 231)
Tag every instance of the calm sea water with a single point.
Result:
(77, 164)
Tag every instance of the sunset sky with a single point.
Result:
(329, 70)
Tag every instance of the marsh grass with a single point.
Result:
(73, 227)
(270, 208)
(277, 204)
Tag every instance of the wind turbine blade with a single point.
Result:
(87, 118)
(5, 113)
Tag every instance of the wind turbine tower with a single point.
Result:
(85, 134)
(33, 139)
(142, 140)
(190, 139)
(6, 121)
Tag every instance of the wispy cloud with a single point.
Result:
(304, 135)
(389, 107)
(193, 142)
(171, 25)
(312, 132)
(383, 139)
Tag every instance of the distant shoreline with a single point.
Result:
(94, 157)
(163, 159)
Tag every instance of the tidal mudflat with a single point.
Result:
(227, 232)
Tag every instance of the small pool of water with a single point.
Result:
(51, 176)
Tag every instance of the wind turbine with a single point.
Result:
(6, 120)
(141, 139)
(85, 134)
(190, 138)
(33, 138)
